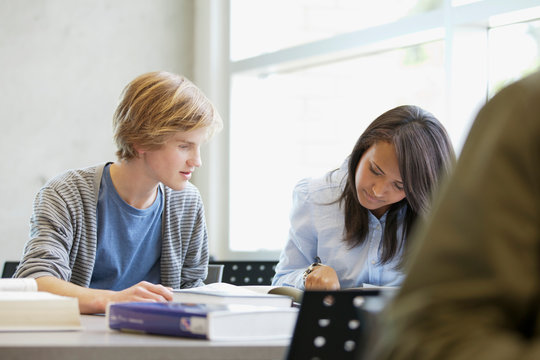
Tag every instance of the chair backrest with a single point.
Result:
(215, 273)
(9, 268)
(248, 272)
(333, 324)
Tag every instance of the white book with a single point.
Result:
(23, 308)
(225, 293)
(21, 284)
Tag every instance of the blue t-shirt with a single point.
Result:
(128, 240)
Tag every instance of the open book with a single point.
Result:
(292, 292)
(225, 293)
(23, 308)
(370, 286)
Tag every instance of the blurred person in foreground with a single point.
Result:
(472, 289)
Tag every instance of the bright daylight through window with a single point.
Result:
(307, 77)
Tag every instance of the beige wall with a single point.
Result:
(63, 64)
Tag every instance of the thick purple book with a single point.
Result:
(204, 321)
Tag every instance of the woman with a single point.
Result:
(352, 225)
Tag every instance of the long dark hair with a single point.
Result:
(425, 155)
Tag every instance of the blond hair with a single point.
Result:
(156, 105)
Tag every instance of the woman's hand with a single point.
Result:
(322, 277)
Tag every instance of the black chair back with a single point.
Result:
(248, 272)
(9, 269)
(334, 324)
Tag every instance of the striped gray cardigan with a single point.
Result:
(63, 232)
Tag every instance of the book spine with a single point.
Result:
(184, 325)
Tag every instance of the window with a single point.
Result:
(306, 77)
(260, 27)
(514, 51)
(305, 123)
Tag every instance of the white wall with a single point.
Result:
(63, 64)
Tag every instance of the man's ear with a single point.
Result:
(140, 150)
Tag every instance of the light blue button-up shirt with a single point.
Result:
(317, 229)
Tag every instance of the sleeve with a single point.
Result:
(51, 237)
(301, 247)
(195, 267)
(473, 286)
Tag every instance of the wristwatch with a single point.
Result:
(316, 262)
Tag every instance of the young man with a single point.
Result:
(115, 231)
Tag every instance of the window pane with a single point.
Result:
(463, 2)
(514, 51)
(292, 125)
(263, 26)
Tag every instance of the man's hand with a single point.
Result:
(143, 292)
(92, 301)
